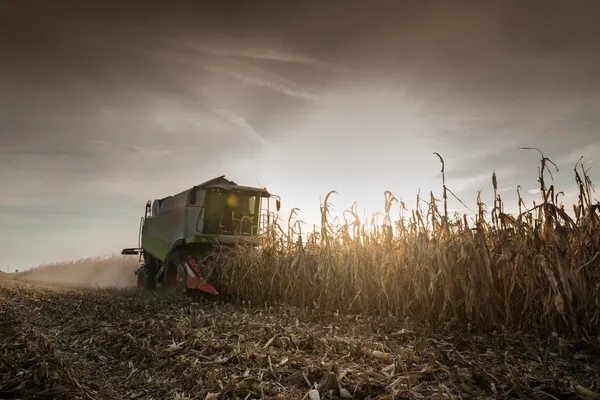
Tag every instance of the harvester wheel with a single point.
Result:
(174, 277)
(146, 275)
(145, 281)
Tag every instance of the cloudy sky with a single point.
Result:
(104, 106)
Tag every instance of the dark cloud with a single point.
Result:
(70, 55)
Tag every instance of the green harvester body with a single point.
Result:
(177, 231)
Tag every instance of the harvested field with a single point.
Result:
(113, 344)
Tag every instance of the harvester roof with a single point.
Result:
(218, 182)
(226, 184)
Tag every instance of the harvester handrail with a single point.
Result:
(140, 232)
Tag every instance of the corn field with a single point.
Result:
(539, 268)
(496, 306)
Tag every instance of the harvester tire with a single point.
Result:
(175, 277)
(146, 275)
(145, 280)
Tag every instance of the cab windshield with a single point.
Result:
(229, 213)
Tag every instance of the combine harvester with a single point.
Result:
(176, 232)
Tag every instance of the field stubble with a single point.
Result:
(60, 342)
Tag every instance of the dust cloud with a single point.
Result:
(112, 272)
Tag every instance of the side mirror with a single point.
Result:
(278, 204)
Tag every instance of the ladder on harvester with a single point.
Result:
(138, 250)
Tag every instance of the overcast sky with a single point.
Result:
(103, 107)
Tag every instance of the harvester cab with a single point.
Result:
(177, 232)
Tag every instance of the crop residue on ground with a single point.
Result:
(115, 344)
